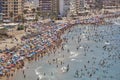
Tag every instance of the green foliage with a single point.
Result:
(38, 9)
(21, 27)
(25, 11)
(38, 13)
(11, 14)
(33, 10)
(98, 4)
(53, 16)
(3, 29)
(36, 18)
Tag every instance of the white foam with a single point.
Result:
(116, 23)
(73, 59)
(107, 43)
(40, 76)
(81, 47)
(36, 70)
(73, 54)
(65, 46)
(63, 69)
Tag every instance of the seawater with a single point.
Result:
(92, 53)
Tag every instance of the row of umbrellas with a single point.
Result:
(39, 42)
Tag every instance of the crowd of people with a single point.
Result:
(35, 45)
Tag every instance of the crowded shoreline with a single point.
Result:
(38, 45)
(82, 60)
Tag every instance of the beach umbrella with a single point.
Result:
(1, 73)
(21, 58)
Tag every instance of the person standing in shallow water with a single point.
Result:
(67, 67)
(37, 78)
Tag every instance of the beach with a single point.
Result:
(89, 52)
(73, 49)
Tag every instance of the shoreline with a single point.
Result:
(43, 53)
(36, 56)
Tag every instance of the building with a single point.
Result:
(49, 7)
(64, 7)
(36, 2)
(11, 8)
(76, 6)
(70, 7)
(89, 4)
(28, 10)
(0, 11)
(111, 3)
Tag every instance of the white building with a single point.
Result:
(82, 5)
(64, 7)
(29, 6)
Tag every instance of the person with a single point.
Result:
(51, 73)
(76, 74)
(23, 72)
(68, 50)
(67, 67)
(24, 76)
(37, 78)
(44, 74)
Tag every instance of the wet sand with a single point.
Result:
(90, 53)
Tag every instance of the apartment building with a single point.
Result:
(29, 14)
(64, 6)
(11, 8)
(111, 3)
(49, 7)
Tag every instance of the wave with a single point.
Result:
(36, 70)
(117, 23)
(76, 60)
(38, 73)
(107, 43)
(43, 77)
(73, 54)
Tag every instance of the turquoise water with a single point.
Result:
(92, 53)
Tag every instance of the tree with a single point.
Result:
(23, 18)
(98, 4)
(11, 16)
(25, 11)
(33, 10)
(38, 9)
(36, 18)
(53, 16)
(18, 17)
(38, 13)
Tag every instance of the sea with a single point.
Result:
(91, 52)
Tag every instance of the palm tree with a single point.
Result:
(98, 4)
(33, 10)
(36, 17)
(38, 13)
(25, 11)
(53, 16)
(23, 18)
(38, 8)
